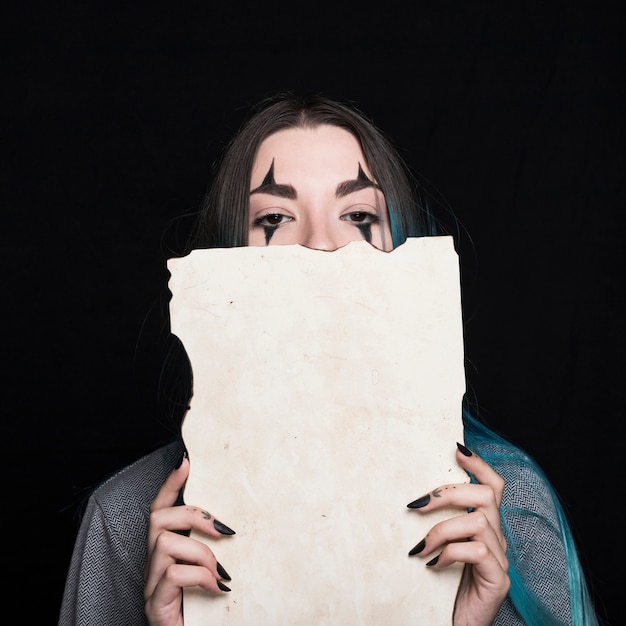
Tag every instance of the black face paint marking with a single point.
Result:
(362, 175)
(366, 232)
(356, 184)
(269, 232)
(270, 186)
(269, 180)
(362, 180)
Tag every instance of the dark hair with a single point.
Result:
(223, 216)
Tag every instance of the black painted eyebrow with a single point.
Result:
(350, 186)
(270, 186)
(345, 188)
(283, 191)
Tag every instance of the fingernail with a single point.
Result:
(183, 456)
(463, 449)
(420, 502)
(222, 528)
(222, 572)
(433, 561)
(418, 548)
(222, 586)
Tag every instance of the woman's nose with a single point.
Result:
(321, 236)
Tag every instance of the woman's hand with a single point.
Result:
(174, 560)
(475, 539)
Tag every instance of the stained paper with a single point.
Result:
(327, 395)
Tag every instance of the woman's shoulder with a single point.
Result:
(527, 486)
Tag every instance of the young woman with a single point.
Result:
(318, 173)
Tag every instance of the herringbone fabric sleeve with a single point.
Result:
(104, 585)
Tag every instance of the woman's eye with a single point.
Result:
(271, 219)
(361, 217)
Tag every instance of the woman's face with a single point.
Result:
(312, 187)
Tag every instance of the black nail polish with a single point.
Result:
(222, 572)
(418, 548)
(420, 502)
(222, 586)
(222, 528)
(433, 561)
(183, 456)
(463, 449)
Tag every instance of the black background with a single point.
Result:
(112, 116)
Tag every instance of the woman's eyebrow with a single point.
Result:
(356, 184)
(274, 189)
(270, 186)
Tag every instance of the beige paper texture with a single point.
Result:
(327, 395)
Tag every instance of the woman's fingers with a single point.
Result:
(462, 495)
(164, 516)
(163, 605)
(168, 494)
(481, 471)
(484, 497)
(464, 528)
(473, 537)
(176, 559)
(172, 549)
(185, 518)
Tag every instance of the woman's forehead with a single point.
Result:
(325, 150)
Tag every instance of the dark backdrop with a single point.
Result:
(112, 116)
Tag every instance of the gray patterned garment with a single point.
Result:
(104, 584)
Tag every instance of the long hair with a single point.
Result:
(223, 221)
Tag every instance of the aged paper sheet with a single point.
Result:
(327, 395)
